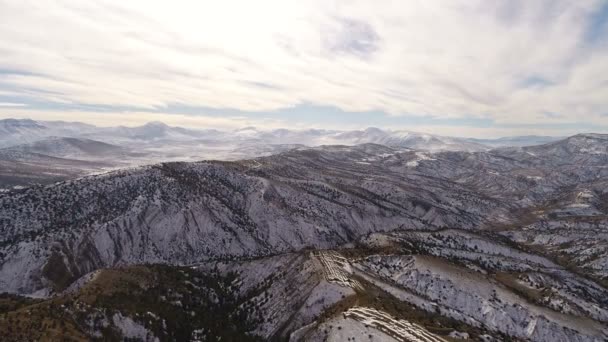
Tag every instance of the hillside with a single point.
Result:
(507, 243)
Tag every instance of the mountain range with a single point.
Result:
(356, 241)
(15, 132)
(44, 152)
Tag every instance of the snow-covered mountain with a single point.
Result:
(331, 242)
(525, 140)
(17, 132)
(75, 148)
(191, 211)
(397, 139)
(579, 145)
(13, 131)
(383, 290)
(27, 131)
(15, 126)
(154, 142)
(406, 139)
(23, 131)
(151, 132)
(55, 159)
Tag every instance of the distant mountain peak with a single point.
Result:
(591, 136)
(20, 123)
(156, 124)
(373, 130)
(10, 120)
(246, 128)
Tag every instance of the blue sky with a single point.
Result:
(461, 67)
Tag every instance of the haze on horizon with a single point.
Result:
(457, 68)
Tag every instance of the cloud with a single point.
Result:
(11, 104)
(350, 36)
(510, 61)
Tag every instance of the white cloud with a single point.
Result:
(11, 104)
(451, 59)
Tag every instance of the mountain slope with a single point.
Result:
(321, 198)
(110, 147)
(393, 287)
(185, 212)
(13, 132)
(72, 148)
(55, 159)
(326, 243)
(406, 139)
(23, 131)
(516, 141)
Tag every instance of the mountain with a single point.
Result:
(185, 212)
(328, 196)
(150, 132)
(19, 170)
(391, 287)
(324, 243)
(155, 133)
(23, 131)
(39, 143)
(14, 131)
(580, 145)
(581, 149)
(13, 126)
(516, 141)
(54, 159)
(74, 148)
(405, 139)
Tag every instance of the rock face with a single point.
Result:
(507, 243)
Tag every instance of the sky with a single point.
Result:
(474, 68)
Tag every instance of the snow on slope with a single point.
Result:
(400, 330)
(465, 295)
(16, 132)
(326, 196)
(71, 148)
